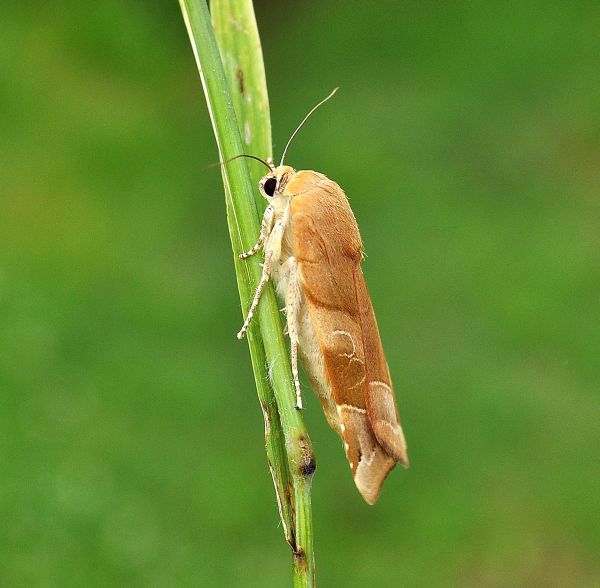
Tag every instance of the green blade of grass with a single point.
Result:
(265, 337)
(239, 44)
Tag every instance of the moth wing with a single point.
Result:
(328, 249)
(380, 399)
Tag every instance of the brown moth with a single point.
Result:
(313, 252)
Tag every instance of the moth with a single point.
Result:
(313, 251)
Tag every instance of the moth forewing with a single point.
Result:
(380, 400)
(339, 341)
(313, 252)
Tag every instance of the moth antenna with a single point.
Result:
(242, 155)
(304, 120)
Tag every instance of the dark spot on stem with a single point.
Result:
(308, 463)
(308, 469)
(239, 74)
(300, 558)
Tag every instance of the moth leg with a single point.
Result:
(265, 229)
(292, 303)
(272, 253)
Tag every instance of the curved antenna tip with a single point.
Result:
(305, 119)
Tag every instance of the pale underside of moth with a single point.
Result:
(313, 252)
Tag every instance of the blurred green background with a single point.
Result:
(467, 136)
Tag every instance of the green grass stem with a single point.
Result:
(226, 90)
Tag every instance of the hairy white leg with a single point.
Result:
(272, 254)
(292, 304)
(265, 229)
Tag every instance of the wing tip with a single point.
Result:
(371, 473)
(391, 438)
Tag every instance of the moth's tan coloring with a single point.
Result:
(313, 252)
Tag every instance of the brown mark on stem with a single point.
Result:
(308, 464)
(288, 494)
(300, 559)
(288, 490)
(239, 74)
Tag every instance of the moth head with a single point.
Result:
(273, 184)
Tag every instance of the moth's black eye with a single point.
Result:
(269, 186)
